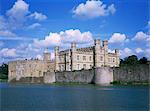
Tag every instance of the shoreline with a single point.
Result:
(114, 83)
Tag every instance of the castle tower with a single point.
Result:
(97, 53)
(47, 55)
(105, 47)
(117, 57)
(73, 56)
(57, 58)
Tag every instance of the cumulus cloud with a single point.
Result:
(126, 52)
(139, 50)
(118, 38)
(33, 26)
(141, 36)
(38, 16)
(5, 52)
(64, 37)
(17, 14)
(19, 17)
(93, 9)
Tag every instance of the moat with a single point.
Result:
(41, 97)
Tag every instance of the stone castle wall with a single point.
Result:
(102, 75)
(139, 73)
(83, 76)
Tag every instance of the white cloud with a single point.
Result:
(138, 50)
(141, 36)
(17, 14)
(38, 16)
(93, 9)
(126, 52)
(7, 33)
(147, 53)
(118, 38)
(64, 37)
(33, 26)
(5, 52)
(18, 17)
(52, 39)
(39, 57)
(20, 8)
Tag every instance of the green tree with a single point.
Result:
(143, 60)
(4, 71)
(131, 60)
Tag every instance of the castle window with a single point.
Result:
(101, 58)
(77, 57)
(60, 67)
(90, 58)
(78, 66)
(84, 58)
(113, 59)
(90, 66)
(84, 66)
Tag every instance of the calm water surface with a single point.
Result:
(40, 97)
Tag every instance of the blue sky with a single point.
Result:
(27, 27)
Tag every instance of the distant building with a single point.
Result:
(85, 58)
(30, 68)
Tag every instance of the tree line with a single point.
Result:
(133, 60)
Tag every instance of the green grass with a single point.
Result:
(3, 80)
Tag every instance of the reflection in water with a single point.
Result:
(39, 97)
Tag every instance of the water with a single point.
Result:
(40, 97)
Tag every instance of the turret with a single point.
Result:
(73, 55)
(97, 42)
(105, 44)
(117, 57)
(97, 53)
(56, 49)
(116, 51)
(73, 46)
(57, 58)
(47, 55)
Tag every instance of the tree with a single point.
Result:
(4, 71)
(131, 60)
(143, 60)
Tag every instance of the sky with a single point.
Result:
(28, 27)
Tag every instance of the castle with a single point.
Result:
(85, 58)
(66, 60)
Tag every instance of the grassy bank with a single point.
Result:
(3, 80)
(130, 83)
